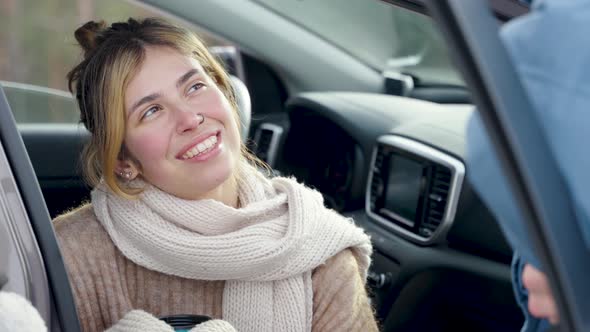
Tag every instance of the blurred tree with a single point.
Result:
(37, 46)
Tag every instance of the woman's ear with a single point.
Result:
(126, 169)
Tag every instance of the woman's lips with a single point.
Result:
(195, 143)
(203, 150)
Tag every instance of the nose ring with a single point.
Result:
(201, 118)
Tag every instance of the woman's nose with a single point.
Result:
(187, 120)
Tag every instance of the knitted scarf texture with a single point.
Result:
(265, 250)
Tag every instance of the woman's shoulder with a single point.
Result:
(76, 219)
(340, 301)
(79, 226)
(343, 263)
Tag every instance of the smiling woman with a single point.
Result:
(149, 113)
(170, 131)
(181, 221)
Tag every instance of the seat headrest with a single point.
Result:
(244, 105)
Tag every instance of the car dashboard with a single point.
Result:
(396, 165)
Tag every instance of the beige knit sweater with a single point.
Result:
(106, 285)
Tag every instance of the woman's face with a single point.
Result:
(164, 134)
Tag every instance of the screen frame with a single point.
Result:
(426, 153)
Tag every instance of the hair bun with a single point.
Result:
(89, 34)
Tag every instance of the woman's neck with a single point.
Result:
(226, 193)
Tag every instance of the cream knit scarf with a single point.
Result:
(265, 250)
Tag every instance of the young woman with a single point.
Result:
(180, 220)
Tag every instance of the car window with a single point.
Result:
(38, 48)
(364, 29)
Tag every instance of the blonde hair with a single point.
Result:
(112, 56)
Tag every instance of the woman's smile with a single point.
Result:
(203, 149)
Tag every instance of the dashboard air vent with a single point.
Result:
(438, 195)
(264, 144)
(267, 141)
(377, 184)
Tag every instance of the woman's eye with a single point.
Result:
(150, 111)
(195, 87)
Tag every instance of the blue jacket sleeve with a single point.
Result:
(554, 66)
(531, 324)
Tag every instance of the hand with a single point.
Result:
(541, 302)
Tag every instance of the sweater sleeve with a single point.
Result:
(90, 259)
(340, 301)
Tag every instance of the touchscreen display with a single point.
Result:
(403, 187)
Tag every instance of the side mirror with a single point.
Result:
(232, 60)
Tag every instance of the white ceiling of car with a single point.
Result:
(304, 61)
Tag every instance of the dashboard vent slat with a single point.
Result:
(264, 144)
(376, 182)
(438, 196)
(267, 141)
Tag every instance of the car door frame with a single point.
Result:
(48, 284)
(472, 32)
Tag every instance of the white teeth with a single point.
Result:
(200, 148)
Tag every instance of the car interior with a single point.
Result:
(389, 152)
(450, 264)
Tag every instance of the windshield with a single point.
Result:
(382, 36)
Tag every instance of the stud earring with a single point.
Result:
(125, 174)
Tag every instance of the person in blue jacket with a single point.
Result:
(551, 53)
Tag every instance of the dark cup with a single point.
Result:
(183, 323)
